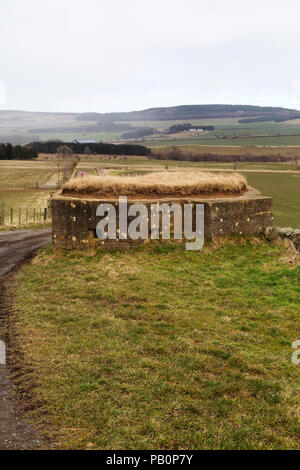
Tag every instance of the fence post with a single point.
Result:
(34, 215)
(2, 213)
(45, 213)
(20, 215)
(26, 216)
(11, 215)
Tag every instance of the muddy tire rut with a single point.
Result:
(15, 249)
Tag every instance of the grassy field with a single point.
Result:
(25, 174)
(18, 129)
(29, 202)
(276, 141)
(285, 190)
(231, 126)
(16, 179)
(283, 187)
(160, 348)
(25, 198)
(232, 133)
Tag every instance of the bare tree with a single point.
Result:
(295, 163)
(64, 162)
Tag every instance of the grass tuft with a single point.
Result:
(179, 183)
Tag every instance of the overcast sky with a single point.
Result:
(120, 55)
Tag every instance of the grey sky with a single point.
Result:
(119, 55)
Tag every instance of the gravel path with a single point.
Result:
(15, 248)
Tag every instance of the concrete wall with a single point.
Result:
(74, 220)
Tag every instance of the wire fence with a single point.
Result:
(23, 215)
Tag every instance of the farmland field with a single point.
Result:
(26, 198)
(275, 141)
(17, 180)
(24, 128)
(230, 126)
(25, 174)
(284, 187)
(285, 190)
(22, 207)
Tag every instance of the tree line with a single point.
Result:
(138, 132)
(17, 152)
(30, 151)
(186, 127)
(178, 155)
(271, 117)
(95, 148)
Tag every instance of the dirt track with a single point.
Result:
(15, 247)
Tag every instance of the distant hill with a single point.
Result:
(25, 119)
(30, 119)
(22, 127)
(210, 111)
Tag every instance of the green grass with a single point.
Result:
(285, 191)
(231, 126)
(160, 348)
(134, 162)
(105, 160)
(242, 166)
(242, 142)
(222, 122)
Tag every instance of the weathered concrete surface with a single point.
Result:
(74, 220)
(15, 247)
